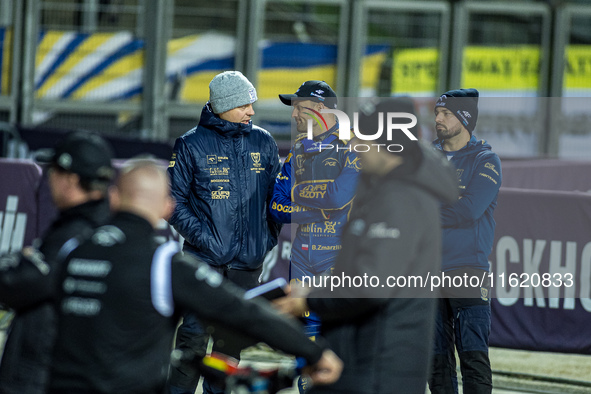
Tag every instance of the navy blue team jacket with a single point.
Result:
(468, 224)
(222, 176)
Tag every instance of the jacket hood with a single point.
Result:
(230, 129)
(435, 174)
(473, 145)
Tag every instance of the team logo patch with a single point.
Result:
(300, 161)
(253, 95)
(256, 162)
(355, 164)
(256, 158)
(212, 159)
(484, 293)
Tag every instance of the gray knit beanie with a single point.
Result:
(229, 90)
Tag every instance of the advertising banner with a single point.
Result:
(18, 204)
(541, 262)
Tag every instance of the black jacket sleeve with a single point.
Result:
(24, 281)
(198, 288)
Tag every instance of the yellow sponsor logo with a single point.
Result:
(282, 177)
(300, 161)
(223, 171)
(287, 208)
(488, 177)
(220, 180)
(330, 162)
(220, 194)
(355, 164)
(171, 163)
(328, 228)
(313, 191)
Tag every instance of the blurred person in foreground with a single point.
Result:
(79, 171)
(464, 314)
(222, 174)
(383, 333)
(120, 295)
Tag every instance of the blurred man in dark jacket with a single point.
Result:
(79, 174)
(379, 323)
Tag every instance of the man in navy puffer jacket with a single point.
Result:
(222, 175)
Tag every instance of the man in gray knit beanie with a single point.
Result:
(222, 175)
(230, 90)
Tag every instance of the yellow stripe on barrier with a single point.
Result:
(6, 62)
(370, 69)
(196, 86)
(46, 46)
(123, 66)
(177, 44)
(284, 80)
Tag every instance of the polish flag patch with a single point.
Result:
(304, 246)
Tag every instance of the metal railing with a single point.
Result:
(145, 68)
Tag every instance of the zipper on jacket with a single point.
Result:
(238, 155)
(311, 233)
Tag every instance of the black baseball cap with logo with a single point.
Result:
(83, 153)
(315, 91)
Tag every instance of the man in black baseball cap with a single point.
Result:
(82, 153)
(316, 186)
(79, 174)
(312, 90)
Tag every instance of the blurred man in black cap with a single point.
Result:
(79, 171)
(464, 314)
(379, 329)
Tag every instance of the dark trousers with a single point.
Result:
(192, 337)
(465, 324)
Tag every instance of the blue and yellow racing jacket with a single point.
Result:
(315, 189)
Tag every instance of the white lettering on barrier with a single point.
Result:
(14, 224)
(560, 279)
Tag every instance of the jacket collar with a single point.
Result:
(224, 128)
(472, 145)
